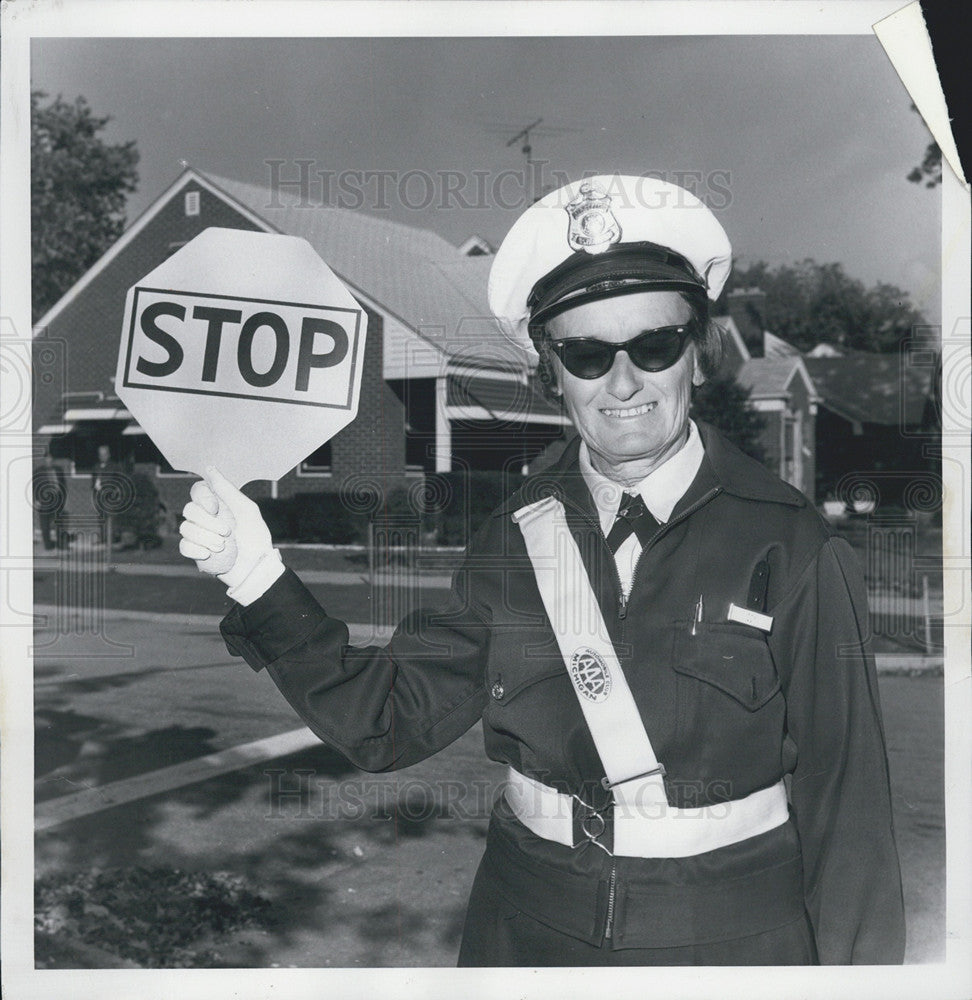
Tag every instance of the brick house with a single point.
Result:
(440, 389)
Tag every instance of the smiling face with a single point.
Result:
(631, 420)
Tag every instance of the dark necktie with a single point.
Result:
(633, 516)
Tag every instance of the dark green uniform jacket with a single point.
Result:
(729, 710)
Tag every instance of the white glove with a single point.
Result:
(224, 533)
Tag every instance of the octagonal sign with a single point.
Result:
(243, 350)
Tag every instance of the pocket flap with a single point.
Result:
(733, 658)
(515, 663)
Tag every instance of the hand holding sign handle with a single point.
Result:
(207, 531)
(223, 530)
(246, 350)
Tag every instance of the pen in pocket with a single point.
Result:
(697, 617)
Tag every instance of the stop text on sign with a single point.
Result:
(232, 346)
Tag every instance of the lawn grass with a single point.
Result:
(356, 600)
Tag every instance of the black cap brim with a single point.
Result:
(622, 269)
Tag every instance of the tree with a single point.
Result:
(724, 403)
(809, 303)
(931, 165)
(78, 188)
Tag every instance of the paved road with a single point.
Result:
(363, 870)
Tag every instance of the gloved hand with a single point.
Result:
(224, 533)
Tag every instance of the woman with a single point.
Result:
(654, 632)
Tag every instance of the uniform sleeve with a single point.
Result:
(840, 790)
(381, 707)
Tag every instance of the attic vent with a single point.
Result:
(476, 246)
(192, 203)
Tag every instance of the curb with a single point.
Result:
(360, 631)
(909, 665)
(405, 578)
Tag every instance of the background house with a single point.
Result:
(440, 390)
(834, 417)
(780, 389)
(875, 422)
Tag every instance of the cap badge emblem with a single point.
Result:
(593, 227)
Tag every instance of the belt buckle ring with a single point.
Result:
(593, 835)
(592, 825)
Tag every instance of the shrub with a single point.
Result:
(276, 515)
(322, 517)
(465, 498)
(452, 505)
(722, 402)
(150, 917)
(311, 517)
(141, 515)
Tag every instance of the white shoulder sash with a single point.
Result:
(602, 689)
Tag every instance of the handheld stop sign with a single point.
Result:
(243, 350)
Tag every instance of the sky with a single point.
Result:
(800, 144)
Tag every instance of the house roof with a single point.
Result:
(770, 378)
(439, 293)
(85, 408)
(502, 399)
(736, 350)
(825, 350)
(777, 347)
(872, 388)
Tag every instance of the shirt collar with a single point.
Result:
(661, 489)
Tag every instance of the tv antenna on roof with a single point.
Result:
(526, 149)
(535, 168)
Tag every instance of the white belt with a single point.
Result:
(643, 826)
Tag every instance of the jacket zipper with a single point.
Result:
(622, 598)
(701, 502)
(609, 924)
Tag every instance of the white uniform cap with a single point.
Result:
(604, 236)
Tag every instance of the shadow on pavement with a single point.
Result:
(86, 751)
(332, 849)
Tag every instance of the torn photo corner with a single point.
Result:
(907, 43)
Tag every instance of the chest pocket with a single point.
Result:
(735, 659)
(730, 708)
(530, 714)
